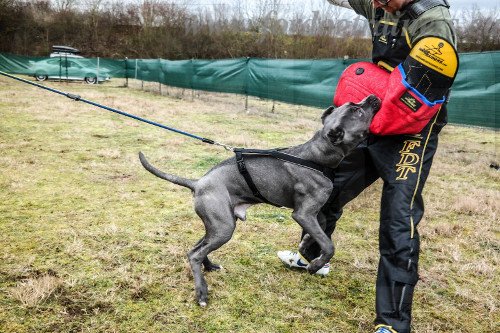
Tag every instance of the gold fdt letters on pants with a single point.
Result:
(409, 160)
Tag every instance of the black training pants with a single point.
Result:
(403, 162)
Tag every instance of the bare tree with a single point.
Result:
(66, 5)
(478, 30)
(177, 29)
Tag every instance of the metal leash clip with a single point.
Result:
(226, 147)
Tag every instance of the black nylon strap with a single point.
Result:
(417, 8)
(276, 153)
(240, 161)
(379, 14)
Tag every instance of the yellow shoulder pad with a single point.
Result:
(437, 54)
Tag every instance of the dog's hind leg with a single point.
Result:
(210, 266)
(220, 223)
(207, 263)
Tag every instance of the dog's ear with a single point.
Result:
(326, 113)
(336, 135)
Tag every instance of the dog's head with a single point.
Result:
(347, 125)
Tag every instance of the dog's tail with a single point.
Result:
(171, 178)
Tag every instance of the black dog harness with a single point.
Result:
(278, 154)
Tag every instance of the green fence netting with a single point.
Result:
(473, 101)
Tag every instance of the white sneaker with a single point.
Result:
(384, 329)
(294, 259)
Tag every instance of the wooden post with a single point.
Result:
(159, 76)
(126, 72)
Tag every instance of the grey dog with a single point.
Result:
(222, 195)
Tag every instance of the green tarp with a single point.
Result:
(476, 91)
(473, 101)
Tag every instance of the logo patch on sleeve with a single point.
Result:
(437, 54)
(410, 101)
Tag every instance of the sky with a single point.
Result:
(480, 3)
(307, 7)
(455, 4)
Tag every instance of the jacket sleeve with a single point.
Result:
(417, 88)
(434, 22)
(341, 3)
(363, 8)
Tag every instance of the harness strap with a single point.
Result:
(417, 8)
(276, 153)
(412, 11)
(240, 161)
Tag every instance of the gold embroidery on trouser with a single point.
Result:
(420, 172)
(408, 160)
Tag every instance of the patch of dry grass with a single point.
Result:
(33, 291)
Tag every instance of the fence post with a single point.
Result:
(165, 74)
(60, 68)
(97, 76)
(246, 85)
(66, 64)
(191, 83)
(142, 81)
(126, 72)
(159, 75)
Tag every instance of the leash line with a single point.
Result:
(78, 98)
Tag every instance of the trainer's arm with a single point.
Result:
(361, 7)
(340, 3)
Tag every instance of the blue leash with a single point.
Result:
(80, 99)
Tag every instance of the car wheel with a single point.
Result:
(41, 77)
(91, 79)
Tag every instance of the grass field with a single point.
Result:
(91, 242)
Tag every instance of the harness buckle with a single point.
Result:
(241, 166)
